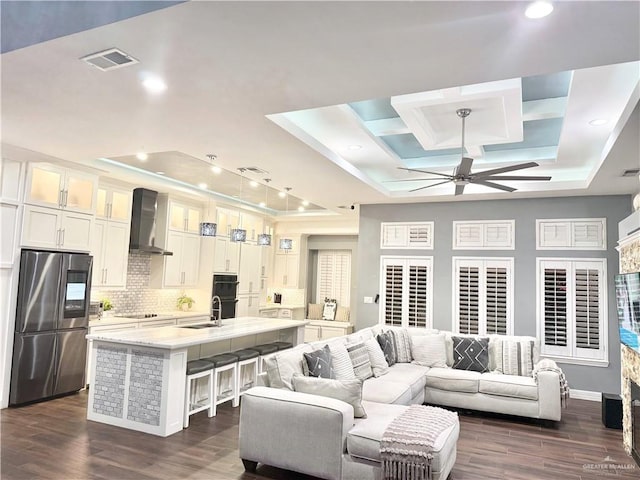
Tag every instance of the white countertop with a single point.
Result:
(269, 306)
(174, 337)
(116, 320)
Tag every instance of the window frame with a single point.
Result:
(571, 353)
(334, 254)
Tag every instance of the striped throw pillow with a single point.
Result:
(514, 357)
(402, 341)
(360, 360)
(341, 362)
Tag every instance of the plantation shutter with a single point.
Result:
(483, 295)
(555, 307)
(406, 291)
(325, 277)
(587, 302)
(334, 276)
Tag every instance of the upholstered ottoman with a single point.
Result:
(363, 444)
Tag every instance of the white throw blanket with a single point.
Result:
(548, 365)
(407, 443)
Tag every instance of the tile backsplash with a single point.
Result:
(138, 297)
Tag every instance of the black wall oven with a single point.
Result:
(226, 287)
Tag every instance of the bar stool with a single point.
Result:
(248, 359)
(197, 369)
(265, 350)
(283, 345)
(225, 362)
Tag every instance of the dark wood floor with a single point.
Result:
(53, 440)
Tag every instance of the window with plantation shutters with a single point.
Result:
(403, 235)
(406, 291)
(483, 295)
(571, 234)
(572, 310)
(484, 235)
(334, 276)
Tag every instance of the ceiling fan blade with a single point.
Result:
(495, 185)
(464, 168)
(411, 180)
(511, 168)
(460, 189)
(429, 186)
(511, 177)
(424, 171)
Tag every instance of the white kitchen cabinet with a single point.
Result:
(181, 268)
(56, 229)
(286, 269)
(248, 305)
(184, 218)
(249, 271)
(110, 254)
(253, 225)
(227, 220)
(266, 261)
(57, 187)
(226, 256)
(113, 204)
(322, 330)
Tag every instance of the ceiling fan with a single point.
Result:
(462, 175)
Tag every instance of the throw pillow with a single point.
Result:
(319, 363)
(282, 366)
(378, 363)
(349, 391)
(429, 350)
(314, 311)
(402, 343)
(360, 361)
(514, 357)
(471, 353)
(341, 362)
(388, 347)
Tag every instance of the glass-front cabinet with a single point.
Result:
(184, 218)
(57, 187)
(113, 204)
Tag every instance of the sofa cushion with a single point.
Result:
(448, 338)
(363, 440)
(508, 385)
(410, 375)
(341, 362)
(402, 343)
(349, 391)
(471, 354)
(382, 390)
(282, 366)
(319, 363)
(513, 357)
(360, 360)
(429, 350)
(387, 344)
(453, 380)
(378, 363)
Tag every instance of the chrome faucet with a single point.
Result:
(216, 313)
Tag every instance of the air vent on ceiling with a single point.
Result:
(109, 59)
(256, 170)
(632, 172)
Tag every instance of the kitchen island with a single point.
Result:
(138, 376)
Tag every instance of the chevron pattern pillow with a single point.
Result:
(471, 353)
(388, 346)
(319, 363)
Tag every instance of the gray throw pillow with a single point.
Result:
(349, 391)
(319, 363)
(359, 356)
(471, 353)
(387, 343)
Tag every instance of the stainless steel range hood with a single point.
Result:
(143, 223)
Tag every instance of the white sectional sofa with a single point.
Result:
(320, 436)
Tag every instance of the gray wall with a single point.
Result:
(525, 212)
(332, 242)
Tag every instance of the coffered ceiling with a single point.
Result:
(330, 98)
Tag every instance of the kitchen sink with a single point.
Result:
(201, 325)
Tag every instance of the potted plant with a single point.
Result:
(185, 302)
(107, 306)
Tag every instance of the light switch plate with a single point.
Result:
(368, 299)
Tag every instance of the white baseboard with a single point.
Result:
(585, 395)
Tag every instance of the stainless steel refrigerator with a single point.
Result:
(52, 316)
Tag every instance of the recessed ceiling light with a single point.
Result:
(305, 203)
(253, 183)
(160, 173)
(282, 194)
(354, 147)
(154, 84)
(262, 204)
(301, 208)
(538, 9)
(142, 156)
(597, 122)
(217, 170)
(202, 185)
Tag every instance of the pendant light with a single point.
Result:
(264, 238)
(239, 234)
(286, 243)
(209, 229)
